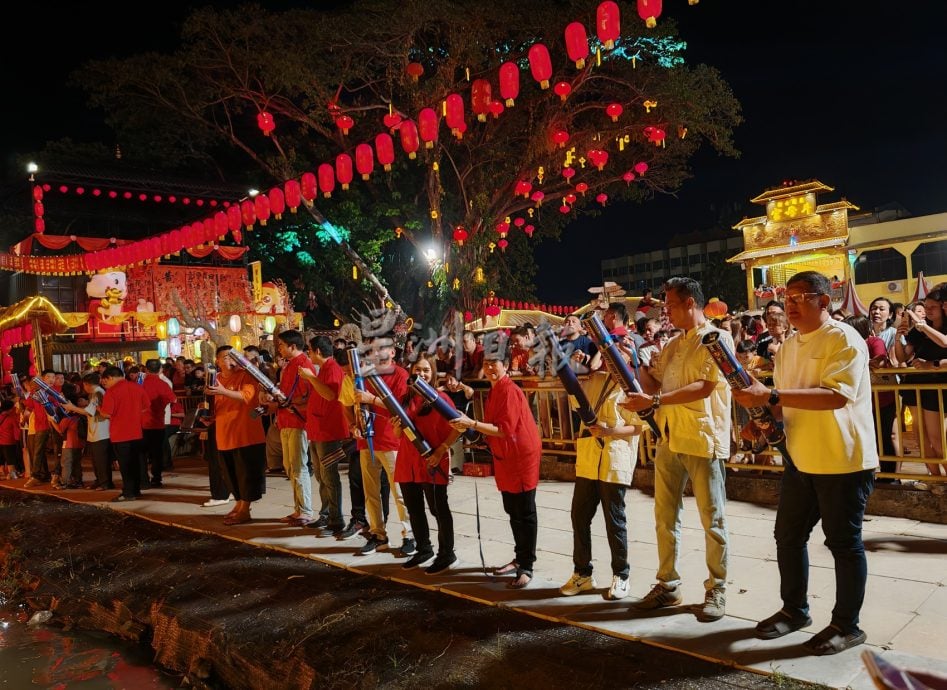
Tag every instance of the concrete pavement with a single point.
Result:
(905, 613)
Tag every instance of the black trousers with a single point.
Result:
(218, 485)
(129, 464)
(244, 471)
(154, 440)
(101, 463)
(521, 508)
(414, 495)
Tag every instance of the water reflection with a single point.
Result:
(45, 656)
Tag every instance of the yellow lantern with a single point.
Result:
(236, 342)
(162, 330)
(269, 324)
(478, 275)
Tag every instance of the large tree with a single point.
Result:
(308, 68)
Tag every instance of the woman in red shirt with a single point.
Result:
(9, 439)
(422, 478)
(513, 436)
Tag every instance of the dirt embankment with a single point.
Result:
(234, 616)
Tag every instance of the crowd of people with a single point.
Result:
(814, 371)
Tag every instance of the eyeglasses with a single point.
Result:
(800, 297)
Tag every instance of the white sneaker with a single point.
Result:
(217, 502)
(619, 588)
(577, 583)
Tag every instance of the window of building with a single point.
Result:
(60, 290)
(930, 257)
(881, 265)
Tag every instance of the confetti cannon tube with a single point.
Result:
(396, 410)
(268, 386)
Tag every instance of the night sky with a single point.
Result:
(854, 94)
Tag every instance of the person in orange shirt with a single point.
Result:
(240, 438)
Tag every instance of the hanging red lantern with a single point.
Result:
(293, 194)
(247, 213)
(608, 23)
(392, 120)
(38, 210)
(480, 98)
(509, 83)
(560, 137)
(460, 236)
(427, 127)
(496, 108)
(261, 208)
(564, 209)
(540, 64)
(598, 158)
(655, 135)
(264, 121)
(568, 173)
(649, 11)
(538, 197)
(221, 225)
(37, 193)
(39, 225)
(344, 123)
(577, 44)
(519, 222)
(522, 188)
(414, 70)
(529, 230)
(234, 223)
(277, 202)
(628, 177)
(614, 111)
(454, 115)
(208, 234)
(582, 188)
(562, 89)
(503, 227)
(343, 169)
(570, 198)
(468, 316)
(641, 167)
(326, 179)
(364, 160)
(385, 150)
(308, 186)
(602, 198)
(408, 131)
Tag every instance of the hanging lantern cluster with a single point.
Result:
(39, 222)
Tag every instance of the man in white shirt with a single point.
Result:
(823, 387)
(692, 401)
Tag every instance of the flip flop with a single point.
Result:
(302, 521)
(289, 519)
(779, 624)
(236, 519)
(831, 640)
(507, 569)
(522, 580)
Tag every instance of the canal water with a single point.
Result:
(45, 656)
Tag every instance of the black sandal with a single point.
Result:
(507, 569)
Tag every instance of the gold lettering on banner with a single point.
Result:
(256, 276)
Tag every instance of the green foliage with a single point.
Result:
(197, 106)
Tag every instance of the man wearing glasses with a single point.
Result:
(823, 388)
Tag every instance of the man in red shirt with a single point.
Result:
(327, 431)
(125, 404)
(160, 396)
(291, 420)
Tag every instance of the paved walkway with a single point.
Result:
(905, 613)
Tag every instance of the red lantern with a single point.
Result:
(562, 89)
(234, 223)
(503, 227)
(641, 167)
(343, 169)
(519, 222)
(460, 236)
(655, 135)
(309, 186)
(581, 188)
(602, 198)
(540, 64)
(454, 109)
(614, 111)
(221, 225)
(628, 177)
(385, 149)
(570, 198)
(560, 137)
(38, 210)
(468, 317)
(364, 160)
(523, 188)
(509, 82)
(408, 132)
(37, 193)
(247, 214)
(598, 158)
(427, 127)
(344, 123)
(264, 121)
(577, 44)
(208, 234)
(649, 10)
(277, 202)
(503, 244)
(261, 208)
(326, 179)
(568, 173)
(608, 23)
(714, 308)
(529, 230)
(538, 197)
(496, 108)
(39, 224)
(414, 70)
(564, 209)
(391, 120)
(292, 194)
(480, 98)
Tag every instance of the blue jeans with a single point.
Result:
(586, 496)
(707, 476)
(839, 501)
